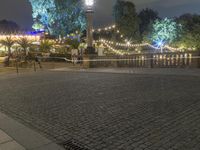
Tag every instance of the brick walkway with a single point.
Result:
(98, 111)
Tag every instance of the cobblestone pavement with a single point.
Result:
(102, 111)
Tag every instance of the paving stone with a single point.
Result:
(134, 112)
(50, 146)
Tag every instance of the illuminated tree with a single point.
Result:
(165, 32)
(46, 46)
(8, 42)
(43, 12)
(74, 43)
(59, 17)
(24, 43)
(70, 16)
(38, 26)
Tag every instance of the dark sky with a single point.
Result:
(20, 10)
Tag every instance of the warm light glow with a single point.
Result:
(16, 37)
(89, 3)
(128, 43)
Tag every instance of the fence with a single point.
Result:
(148, 60)
(153, 60)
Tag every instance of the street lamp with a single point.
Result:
(89, 13)
(161, 44)
(89, 3)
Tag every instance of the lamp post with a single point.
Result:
(89, 14)
(160, 44)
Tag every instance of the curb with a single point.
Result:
(25, 136)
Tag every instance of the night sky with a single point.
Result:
(20, 10)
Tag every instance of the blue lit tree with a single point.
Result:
(42, 13)
(69, 16)
(59, 17)
(165, 32)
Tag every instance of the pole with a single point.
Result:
(34, 67)
(161, 49)
(90, 48)
(199, 58)
(17, 67)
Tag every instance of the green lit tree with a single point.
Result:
(165, 31)
(38, 26)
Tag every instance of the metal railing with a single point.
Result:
(154, 60)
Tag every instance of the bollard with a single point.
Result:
(34, 66)
(150, 60)
(198, 59)
(17, 67)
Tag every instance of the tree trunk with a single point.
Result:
(25, 54)
(9, 55)
(198, 58)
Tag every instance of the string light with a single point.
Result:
(128, 44)
(110, 28)
(16, 37)
(118, 52)
(113, 27)
(172, 48)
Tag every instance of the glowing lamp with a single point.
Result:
(160, 44)
(89, 3)
(128, 43)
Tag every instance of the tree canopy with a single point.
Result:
(165, 31)
(59, 17)
(126, 19)
(8, 26)
(147, 17)
(190, 37)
